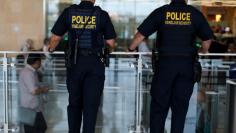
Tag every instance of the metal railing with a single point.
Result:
(136, 126)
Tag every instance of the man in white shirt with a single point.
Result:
(31, 93)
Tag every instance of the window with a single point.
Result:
(126, 15)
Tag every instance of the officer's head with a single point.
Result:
(180, 1)
(93, 1)
(34, 60)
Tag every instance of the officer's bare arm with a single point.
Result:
(138, 38)
(205, 46)
(54, 41)
(111, 43)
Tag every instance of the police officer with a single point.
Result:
(177, 25)
(89, 27)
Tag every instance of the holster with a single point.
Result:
(197, 68)
(67, 55)
(106, 57)
(154, 60)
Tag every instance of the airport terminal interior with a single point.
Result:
(125, 103)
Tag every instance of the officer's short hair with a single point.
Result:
(180, 0)
(32, 58)
(84, 0)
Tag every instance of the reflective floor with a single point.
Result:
(117, 113)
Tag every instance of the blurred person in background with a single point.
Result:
(31, 95)
(217, 46)
(232, 48)
(28, 45)
(45, 48)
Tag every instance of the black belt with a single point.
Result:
(89, 52)
(176, 55)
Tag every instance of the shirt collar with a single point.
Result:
(30, 67)
(178, 2)
(86, 3)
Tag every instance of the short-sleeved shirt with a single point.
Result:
(177, 26)
(28, 82)
(61, 26)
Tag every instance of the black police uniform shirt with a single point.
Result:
(65, 23)
(177, 26)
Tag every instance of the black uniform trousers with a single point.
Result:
(85, 83)
(172, 87)
(39, 126)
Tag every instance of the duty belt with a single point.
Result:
(89, 52)
(176, 55)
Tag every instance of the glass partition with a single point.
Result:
(117, 111)
(118, 107)
(1, 93)
(54, 76)
(126, 100)
(212, 94)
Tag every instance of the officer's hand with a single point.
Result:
(50, 49)
(131, 50)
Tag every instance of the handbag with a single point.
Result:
(27, 116)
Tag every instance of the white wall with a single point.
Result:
(19, 20)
